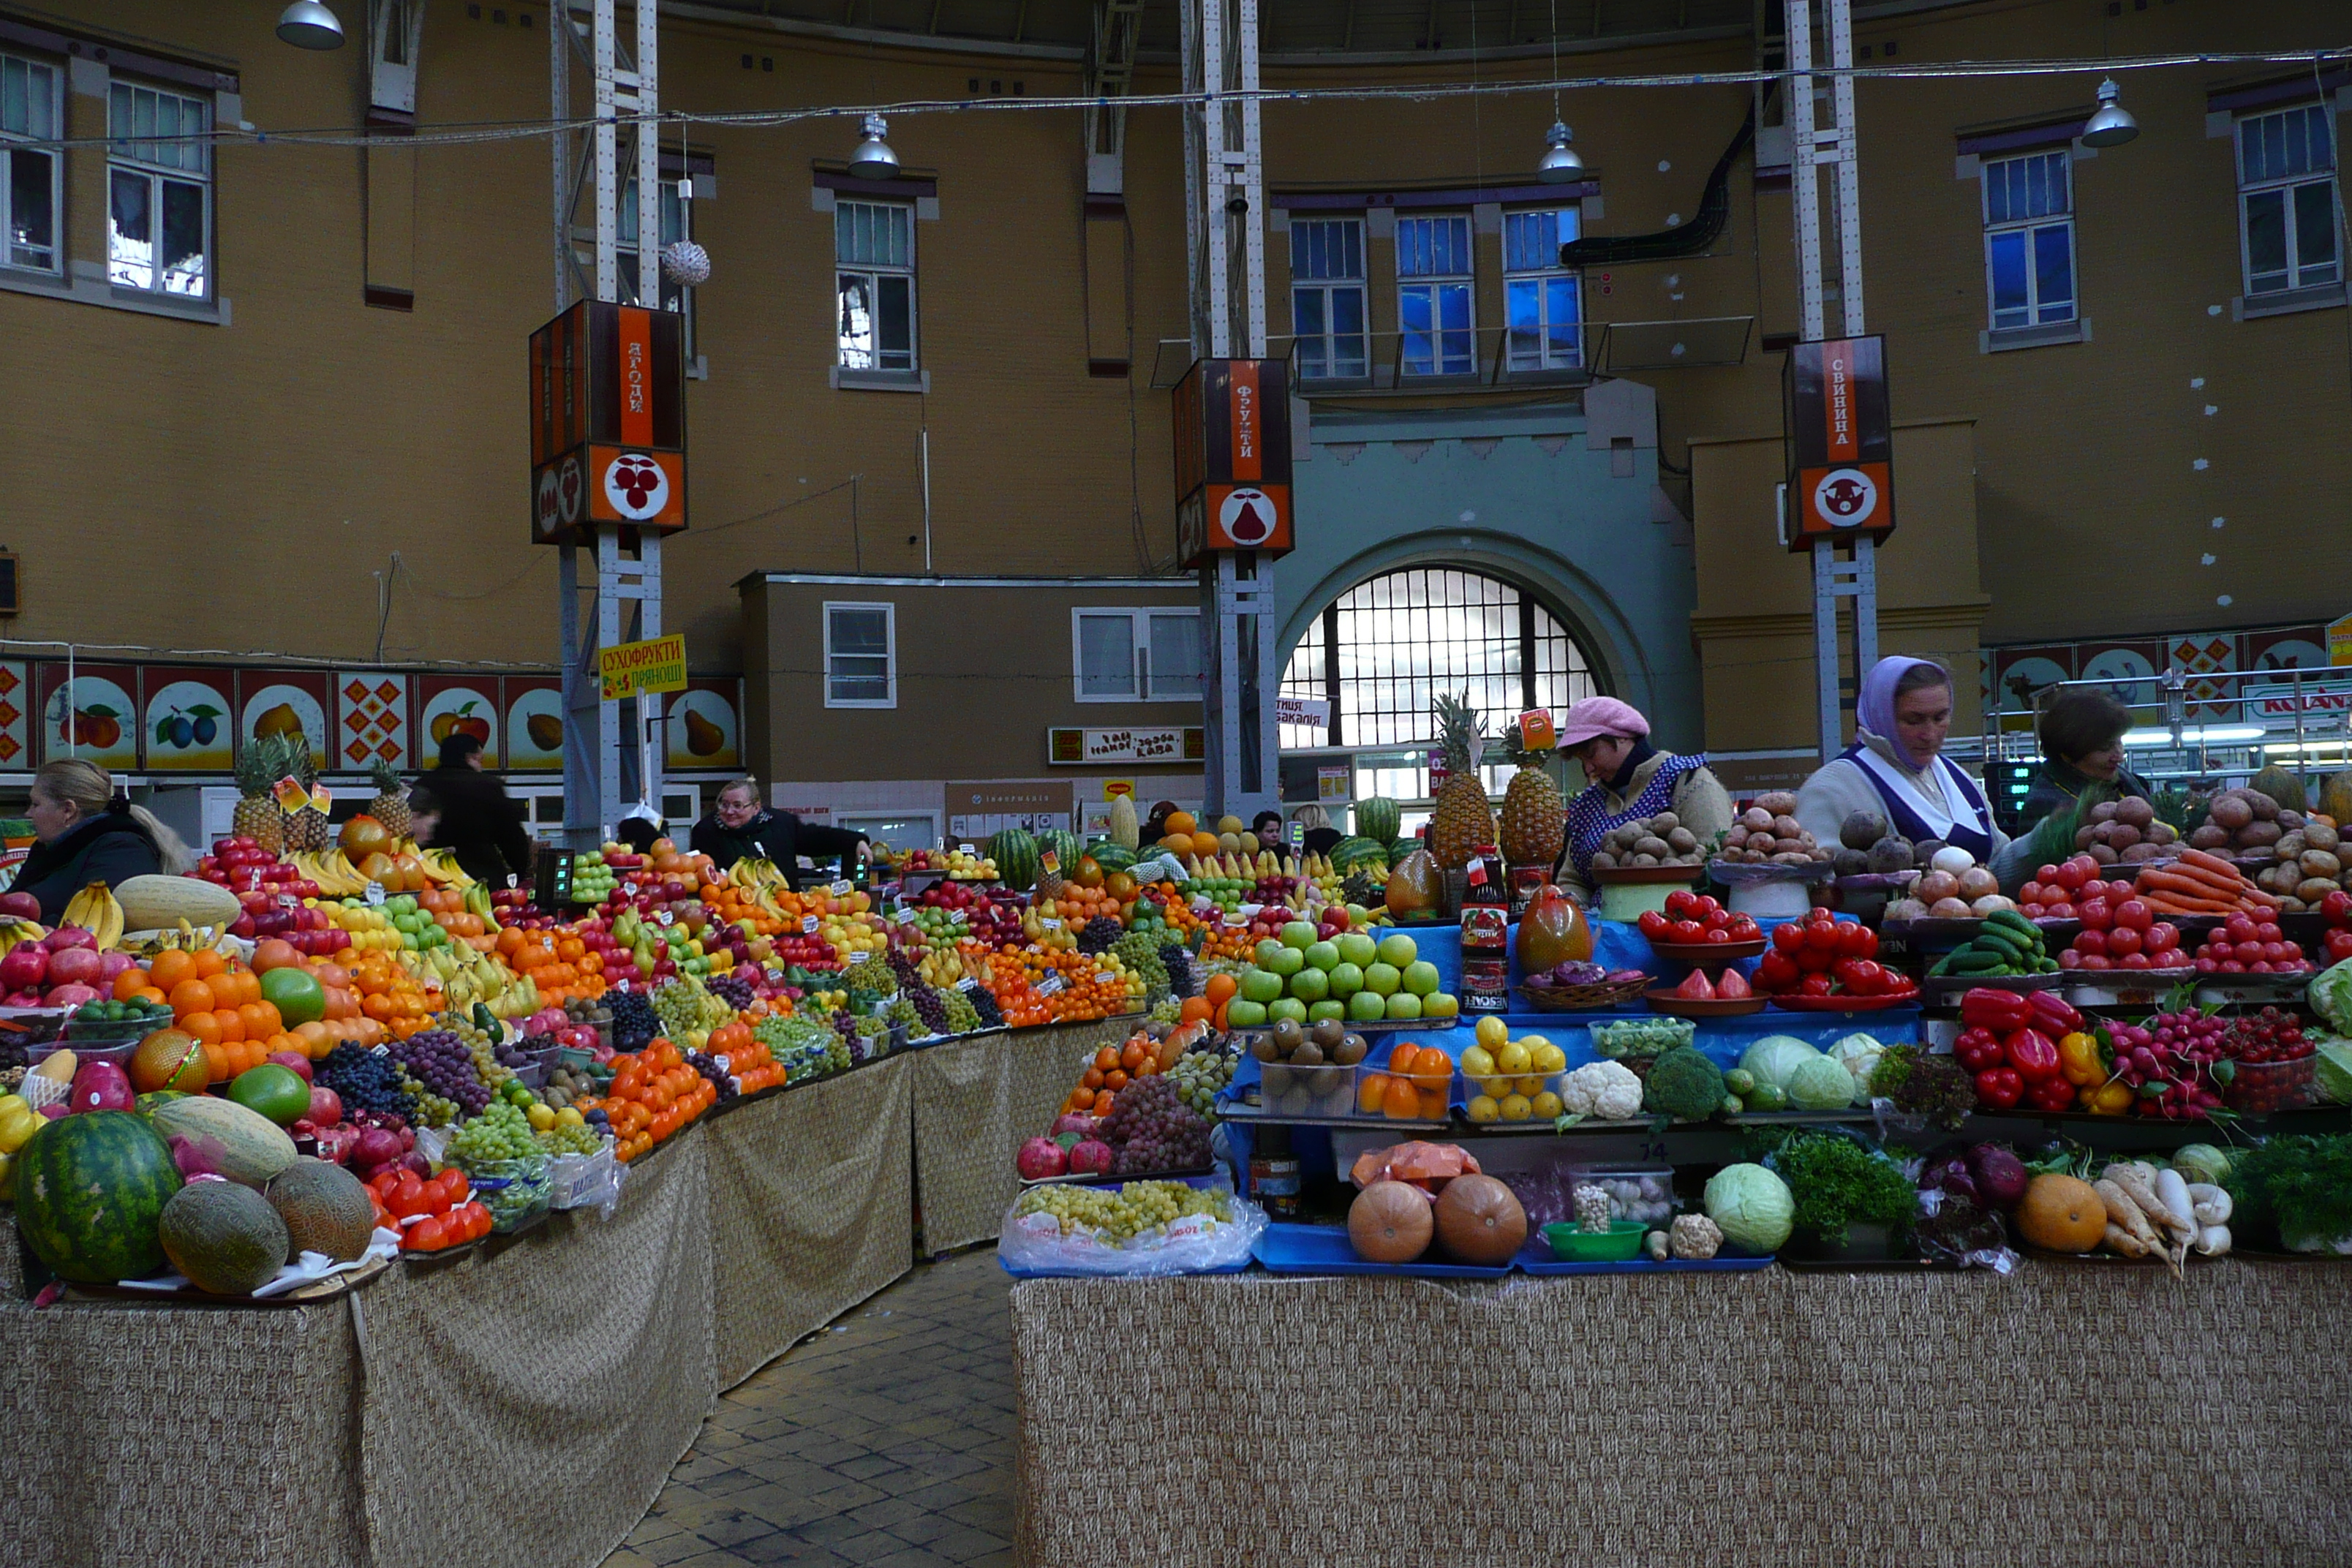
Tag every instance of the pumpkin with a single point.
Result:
(1479, 1221)
(2061, 1214)
(1390, 1223)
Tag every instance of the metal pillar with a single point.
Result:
(1813, 147)
(610, 759)
(1224, 187)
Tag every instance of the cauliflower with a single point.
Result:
(1607, 1090)
(1695, 1236)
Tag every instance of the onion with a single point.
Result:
(1952, 858)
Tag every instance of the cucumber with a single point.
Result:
(1972, 961)
(2012, 921)
(2001, 943)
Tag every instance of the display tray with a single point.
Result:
(2252, 987)
(1238, 1110)
(1642, 875)
(1400, 1025)
(1937, 986)
(1846, 1004)
(1287, 1249)
(317, 1290)
(1850, 1117)
(1733, 872)
(1596, 998)
(1708, 955)
(2109, 1259)
(1236, 1267)
(2146, 987)
(1663, 1000)
(1535, 1259)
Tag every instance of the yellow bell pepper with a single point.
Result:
(2078, 1061)
(17, 1128)
(2107, 1099)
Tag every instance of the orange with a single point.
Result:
(1401, 1060)
(232, 1025)
(1432, 1063)
(1433, 1104)
(208, 962)
(192, 996)
(1370, 1093)
(204, 1025)
(1221, 989)
(1195, 1010)
(170, 968)
(1399, 1101)
(128, 984)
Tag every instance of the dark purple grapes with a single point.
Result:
(1149, 1129)
(634, 1027)
(1100, 933)
(718, 1078)
(366, 1082)
(732, 989)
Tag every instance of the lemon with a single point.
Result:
(1493, 1032)
(567, 1117)
(1511, 1058)
(1545, 1106)
(1547, 1057)
(1527, 1085)
(541, 1118)
(1475, 1060)
(1483, 1108)
(1517, 1108)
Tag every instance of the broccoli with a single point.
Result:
(1684, 1085)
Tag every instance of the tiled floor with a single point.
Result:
(887, 1441)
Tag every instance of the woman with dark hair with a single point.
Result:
(476, 821)
(1896, 768)
(2081, 744)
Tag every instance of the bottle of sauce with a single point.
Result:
(1273, 1172)
(1486, 934)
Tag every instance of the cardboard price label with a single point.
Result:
(967, 984)
(1051, 923)
(1051, 985)
(906, 916)
(808, 925)
(665, 918)
(375, 895)
(839, 888)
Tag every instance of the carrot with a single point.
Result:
(2168, 905)
(2205, 860)
(2156, 884)
(2183, 871)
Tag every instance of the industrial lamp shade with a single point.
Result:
(1559, 162)
(873, 160)
(307, 25)
(2112, 126)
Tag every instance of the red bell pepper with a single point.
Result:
(2052, 1015)
(2000, 1088)
(1977, 1050)
(2034, 1054)
(2002, 1011)
(2051, 1094)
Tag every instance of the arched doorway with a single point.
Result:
(1381, 651)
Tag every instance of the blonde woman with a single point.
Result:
(1321, 837)
(85, 830)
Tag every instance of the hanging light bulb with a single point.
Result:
(307, 25)
(873, 160)
(1559, 162)
(2112, 126)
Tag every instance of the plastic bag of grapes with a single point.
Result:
(516, 1192)
(1137, 1228)
(585, 1181)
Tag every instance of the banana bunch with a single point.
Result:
(759, 875)
(441, 866)
(478, 903)
(333, 870)
(183, 937)
(94, 909)
(14, 930)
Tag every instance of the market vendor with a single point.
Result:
(1320, 837)
(739, 828)
(1267, 829)
(85, 831)
(1630, 781)
(2082, 735)
(1897, 769)
(478, 822)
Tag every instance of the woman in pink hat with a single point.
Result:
(1631, 781)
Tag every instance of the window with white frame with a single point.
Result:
(677, 224)
(1540, 297)
(158, 194)
(1433, 296)
(2286, 200)
(873, 256)
(29, 176)
(1326, 298)
(2029, 216)
(861, 656)
(1136, 656)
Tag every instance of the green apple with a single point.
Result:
(1420, 977)
(1310, 984)
(1357, 949)
(1364, 1007)
(1287, 961)
(1441, 1004)
(1323, 955)
(1241, 1013)
(1382, 979)
(1347, 979)
(1335, 1011)
(1289, 1007)
(1398, 949)
(1263, 954)
(1405, 1004)
(1299, 934)
(1260, 986)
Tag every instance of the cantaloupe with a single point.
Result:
(325, 1210)
(160, 903)
(225, 1239)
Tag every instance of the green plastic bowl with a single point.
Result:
(1570, 1244)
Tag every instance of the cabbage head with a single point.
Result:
(1820, 1084)
(2333, 1066)
(2202, 1163)
(1858, 1054)
(2331, 993)
(1775, 1056)
(1751, 1206)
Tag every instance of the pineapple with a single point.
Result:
(1535, 814)
(306, 828)
(1462, 820)
(259, 766)
(390, 806)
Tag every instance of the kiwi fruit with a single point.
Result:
(1328, 1033)
(1308, 1055)
(1287, 1037)
(1263, 1047)
(1349, 1051)
(1355, 1042)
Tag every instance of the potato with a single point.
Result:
(1779, 802)
(2229, 811)
(2100, 832)
(1640, 859)
(1792, 857)
(2105, 811)
(2104, 854)
(2291, 906)
(2288, 846)
(1603, 861)
(1787, 826)
(2289, 819)
(1648, 844)
(2137, 812)
(2316, 888)
(1681, 839)
(2318, 835)
(2122, 834)
(2161, 832)
(2319, 863)
(1665, 822)
(2258, 834)
(2140, 852)
(1755, 819)
(2087, 834)
(2265, 809)
(2212, 835)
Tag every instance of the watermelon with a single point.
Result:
(1066, 844)
(89, 1192)
(1401, 848)
(1357, 854)
(1015, 854)
(1376, 818)
(1111, 857)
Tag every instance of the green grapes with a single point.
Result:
(1121, 1215)
(500, 1133)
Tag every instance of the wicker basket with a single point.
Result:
(1582, 998)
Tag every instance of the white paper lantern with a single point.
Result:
(685, 263)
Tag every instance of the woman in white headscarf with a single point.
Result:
(1896, 768)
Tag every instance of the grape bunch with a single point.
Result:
(869, 1037)
(1100, 933)
(569, 1138)
(499, 1132)
(1123, 1213)
(439, 1070)
(929, 1009)
(732, 989)
(1150, 1128)
(718, 1078)
(962, 1017)
(684, 1004)
(871, 975)
(1177, 960)
(901, 1010)
(489, 1065)
(634, 1022)
(1199, 1076)
(983, 1002)
(364, 1080)
(806, 1046)
(1141, 955)
(900, 964)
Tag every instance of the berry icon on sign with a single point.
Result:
(1845, 497)
(635, 486)
(567, 490)
(1247, 518)
(547, 502)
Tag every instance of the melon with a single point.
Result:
(1376, 818)
(1123, 829)
(160, 903)
(89, 1190)
(325, 1210)
(2335, 799)
(225, 1239)
(2281, 785)
(241, 1144)
(1015, 854)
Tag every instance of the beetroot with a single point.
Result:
(1091, 1157)
(2000, 1175)
(1040, 1158)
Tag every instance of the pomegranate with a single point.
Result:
(76, 966)
(1090, 1157)
(1077, 1121)
(24, 967)
(295, 1063)
(1040, 1158)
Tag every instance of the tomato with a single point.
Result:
(1777, 972)
(1680, 902)
(1822, 935)
(2134, 915)
(454, 1181)
(1653, 925)
(1715, 920)
(1815, 960)
(2161, 937)
(2070, 876)
(1815, 985)
(1856, 940)
(1705, 905)
(1743, 928)
(1685, 931)
(1787, 937)
(424, 1236)
(409, 1196)
(1716, 933)
(2096, 914)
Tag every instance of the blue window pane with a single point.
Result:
(2315, 234)
(1560, 309)
(2005, 260)
(1413, 306)
(2266, 241)
(2054, 273)
(1306, 312)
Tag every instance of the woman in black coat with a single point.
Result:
(85, 832)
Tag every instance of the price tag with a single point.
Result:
(840, 888)
(967, 984)
(374, 895)
(1051, 923)
(1051, 985)
(289, 901)
(1103, 977)
(630, 889)
(808, 925)
(722, 1063)
(381, 1051)
(665, 918)
(907, 915)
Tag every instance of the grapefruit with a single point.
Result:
(2061, 1214)
(296, 993)
(169, 1058)
(363, 836)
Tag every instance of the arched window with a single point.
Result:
(1384, 650)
